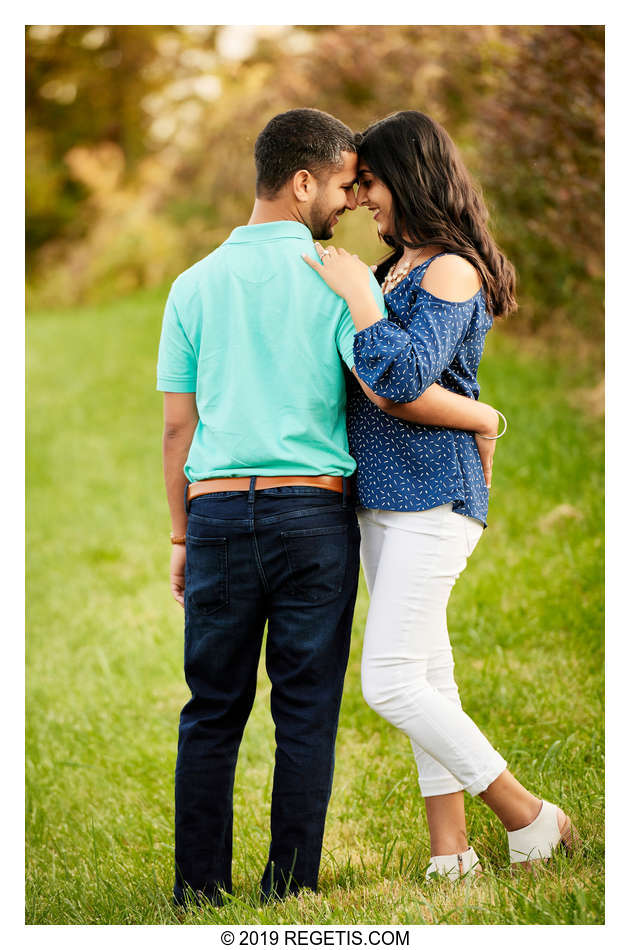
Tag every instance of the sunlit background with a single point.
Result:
(140, 143)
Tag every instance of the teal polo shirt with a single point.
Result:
(259, 337)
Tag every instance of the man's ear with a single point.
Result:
(304, 185)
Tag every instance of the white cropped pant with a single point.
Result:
(411, 560)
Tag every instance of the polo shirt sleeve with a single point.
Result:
(346, 330)
(400, 364)
(177, 361)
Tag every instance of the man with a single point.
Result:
(256, 467)
(255, 420)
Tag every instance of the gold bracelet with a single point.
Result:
(175, 540)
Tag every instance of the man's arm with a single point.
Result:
(180, 422)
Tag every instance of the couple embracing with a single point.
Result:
(318, 412)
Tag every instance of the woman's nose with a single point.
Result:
(362, 195)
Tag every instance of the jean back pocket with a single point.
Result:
(206, 574)
(317, 560)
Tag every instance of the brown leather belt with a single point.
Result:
(241, 483)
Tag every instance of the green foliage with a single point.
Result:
(181, 113)
(104, 657)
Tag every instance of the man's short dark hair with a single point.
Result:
(300, 138)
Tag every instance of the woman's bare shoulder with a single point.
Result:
(452, 277)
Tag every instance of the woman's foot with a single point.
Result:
(537, 841)
(454, 866)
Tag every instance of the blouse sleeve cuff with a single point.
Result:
(361, 337)
(386, 362)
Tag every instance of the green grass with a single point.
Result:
(105, 649)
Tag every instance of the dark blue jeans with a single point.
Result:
(290, 557)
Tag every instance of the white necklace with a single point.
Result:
(395, 275)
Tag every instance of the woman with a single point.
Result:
(422, 489)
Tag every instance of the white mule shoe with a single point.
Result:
(538, 840)
(453, 866)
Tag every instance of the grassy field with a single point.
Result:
(105, 650)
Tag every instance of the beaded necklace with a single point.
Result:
(394, 276)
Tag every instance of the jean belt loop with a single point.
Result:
(252, 492)
(186, 498)
(346, 492)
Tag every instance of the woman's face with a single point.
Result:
(375, 195)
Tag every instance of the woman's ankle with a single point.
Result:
(511, 802)
(530, 812)
(446, 819)
(449, 844)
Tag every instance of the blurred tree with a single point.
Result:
(86, 85)
(179, 109)
(542, 148)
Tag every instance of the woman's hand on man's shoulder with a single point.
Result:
(452, 277)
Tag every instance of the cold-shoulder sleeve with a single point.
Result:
(399, 364)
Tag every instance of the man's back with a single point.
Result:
(258, 336)
(251, 364)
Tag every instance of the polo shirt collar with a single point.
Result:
(271, 231)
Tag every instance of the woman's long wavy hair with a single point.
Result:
(434, 200)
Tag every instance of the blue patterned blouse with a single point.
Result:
(404, 466)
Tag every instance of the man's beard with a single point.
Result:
(320, 224)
